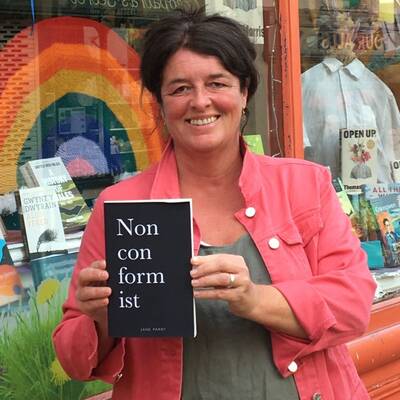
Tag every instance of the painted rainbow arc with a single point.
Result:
(72, 55)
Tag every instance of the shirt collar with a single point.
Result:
(166, 182)
(356, 68)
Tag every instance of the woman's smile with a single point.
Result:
(202, 121)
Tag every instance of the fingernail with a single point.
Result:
(195, 260)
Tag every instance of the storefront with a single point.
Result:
(340, 60)
(70, 92)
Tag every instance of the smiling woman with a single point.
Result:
(280, 282)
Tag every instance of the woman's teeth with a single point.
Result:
(203, 121)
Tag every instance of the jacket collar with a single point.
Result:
(166, 182)
(356, 68)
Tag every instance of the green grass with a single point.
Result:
(26, 355)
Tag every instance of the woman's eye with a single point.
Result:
(180, 90)
(217, 85)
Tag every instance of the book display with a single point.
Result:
(41, 218)
(358, 150)
(52, 172)
(148, 251)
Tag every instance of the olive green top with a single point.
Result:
(231, 357)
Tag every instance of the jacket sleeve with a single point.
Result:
(333, 305)
(75, 338)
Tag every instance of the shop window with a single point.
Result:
(73, 120)
(350, 60)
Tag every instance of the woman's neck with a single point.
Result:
(209, 168)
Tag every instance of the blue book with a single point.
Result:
(57, 266)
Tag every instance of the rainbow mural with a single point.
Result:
(65, 55)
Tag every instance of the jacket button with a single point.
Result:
(250, 212)
(292, 367)
(273, 243)
(316, 396)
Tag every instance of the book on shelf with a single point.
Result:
(358, 155)
(55, 266)
(149, 245)
(343, 197)
(395, 167)
(10, 282)
(43, 230)
(387, 212)
(52, 172)
(254, 141)
(373, 191)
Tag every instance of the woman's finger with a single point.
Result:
(92, 293)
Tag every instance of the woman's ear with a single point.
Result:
(245, 93)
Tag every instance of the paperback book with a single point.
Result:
(387, 212)
(149, 245)
(343, 197)
(56, 266)
(358, 158)
(10, 282)
(52, 172)
(395, 166)
(254, 141)
(41, 219)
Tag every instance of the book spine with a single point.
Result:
(25, 174)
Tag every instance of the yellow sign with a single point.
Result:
(386, 11)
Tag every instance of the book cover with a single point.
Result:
(387, 211)
(10, 281)
(56, 266)
(52, 172)
(395, 166)
(373, 249)
(255, 143)
(43, 228)
(149, 245)
(358, 151)
(344, 200)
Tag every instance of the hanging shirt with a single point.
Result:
(337, 96)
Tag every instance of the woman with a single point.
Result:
(257, 220)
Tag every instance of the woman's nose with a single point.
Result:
(200, 98)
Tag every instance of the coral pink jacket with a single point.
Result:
(318, 266)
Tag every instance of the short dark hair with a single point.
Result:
(212, 35)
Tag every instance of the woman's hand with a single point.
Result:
(225, 277)
(91, 293)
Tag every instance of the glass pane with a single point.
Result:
(351, 91)
(72, 117)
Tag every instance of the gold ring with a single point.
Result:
(232, 278)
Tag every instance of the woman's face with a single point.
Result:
(202, 102)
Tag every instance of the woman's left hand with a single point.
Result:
(225, 277)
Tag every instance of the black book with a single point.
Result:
(148, 249)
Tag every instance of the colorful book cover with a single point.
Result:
(43, 228)
(387, 212)
(57, 266)
(255, 143)
(10, 281)
(358, 158)
(52, 172)
(343, 196)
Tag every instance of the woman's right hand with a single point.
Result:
(92, 293)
